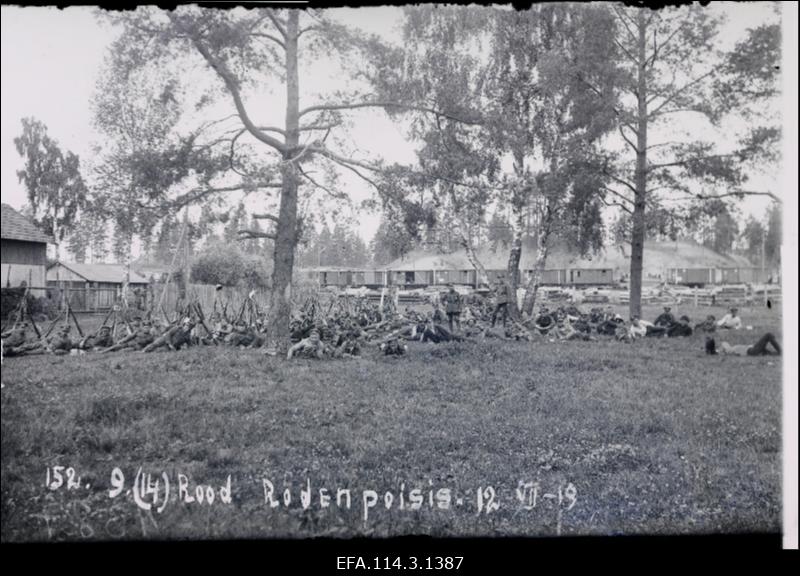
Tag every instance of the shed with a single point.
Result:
(92, 286)
(24, 251)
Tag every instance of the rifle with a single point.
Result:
(108, 314)
(119, 344)
(50, 328)
(33, 323)
(74, 319)
(241, 311)
(201, 317)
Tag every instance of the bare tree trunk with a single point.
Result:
(535, 281)
(472, 256)
(187, 272)
(514, 257)
(518, 207)
(286, 227)
(465, 239)
(638, 235)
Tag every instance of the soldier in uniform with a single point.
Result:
(453, 305)
(310, 347)
(680, 328)
(665, 319)
(731, 320)
(102, 339)
(349, 345)
(240, 336)
(760, 348)
(707, 325)
(544, 321)
(165, 339)
(14, 340)
(62, 343)
(183, 336)
(394, 347)
(501, 300)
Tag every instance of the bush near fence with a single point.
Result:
(37, 306)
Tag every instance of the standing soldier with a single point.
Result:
(453, 304)
(501, 300)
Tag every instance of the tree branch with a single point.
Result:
(617, 194)
(616, 204)
(676, 93)
(307, 29)
(250, 234)
(627, 52)
(628, 140)
(232, 85)
(624, 19)
(349, 164)
(382, 104)
(688, 161)
(320, 126)
(277, 23)
(619, 113)
(738, 194)
(334, 194)
(196, 195)
(275, 39)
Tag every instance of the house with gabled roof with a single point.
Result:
(23, 257)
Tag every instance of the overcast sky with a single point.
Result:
(51, 57)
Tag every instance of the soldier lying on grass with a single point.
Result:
(760, 348)
(98, 341)
(60, 343)
(175, 338)
(394, 347)
(310, 347)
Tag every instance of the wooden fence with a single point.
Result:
(167, 296)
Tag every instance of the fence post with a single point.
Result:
(695, 296)
(766, 294)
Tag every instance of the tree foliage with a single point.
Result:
(52, 178)
(229, 265)
(672, 66)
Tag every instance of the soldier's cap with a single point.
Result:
(734, 309)
(667, 308)
(105, 327)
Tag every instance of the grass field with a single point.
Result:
(650, 437)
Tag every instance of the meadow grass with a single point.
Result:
(651, 437)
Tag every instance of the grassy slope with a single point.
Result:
(655, 436)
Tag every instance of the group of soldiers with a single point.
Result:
(346, 328)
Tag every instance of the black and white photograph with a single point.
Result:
(282, 271)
